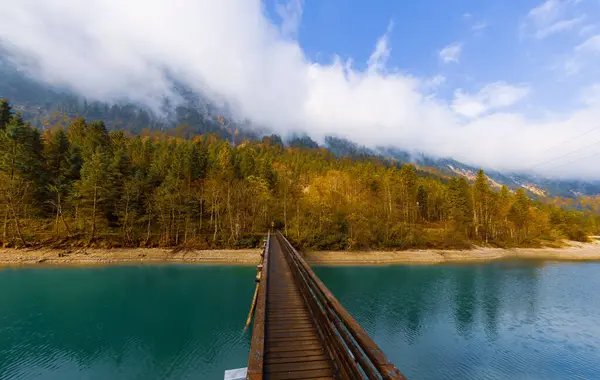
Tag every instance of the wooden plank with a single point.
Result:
(292, 339)
(293, 354)
(309, 374)
(296, 359)
(291, 334)
(292, 314)
(301, 366)
(296, 347)
(293, 342)
(292, 348)
(335, 311)
(285, 317)
(291, 329)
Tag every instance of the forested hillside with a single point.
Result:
(44, 106)
(83, 185)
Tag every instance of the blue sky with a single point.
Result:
(501, 40)
(512, 85)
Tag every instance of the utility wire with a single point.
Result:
(571, 139)
(578, 159)
(566, 154)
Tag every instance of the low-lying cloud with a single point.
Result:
(228, 49)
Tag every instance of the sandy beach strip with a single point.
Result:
(92, 256)
(95, 256)
(574, 252)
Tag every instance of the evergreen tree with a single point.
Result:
(519, 213)
(5, 113)
(481, 205)
(92, 189)
(60, 173)
(460, 206)
(173, 188)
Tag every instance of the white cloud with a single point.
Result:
(478, 26)
(572, 66)
(229, 50)
(491, 97)
(581, 55)
(559, 26)
(434, 82)
(379, 57)
(590, 96)
(546, 12)
(587, 29)
(291, 16)
(591, 45)
(451, 53)
(552, 17)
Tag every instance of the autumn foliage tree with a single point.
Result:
(82, 184)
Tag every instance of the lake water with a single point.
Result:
(496, 321)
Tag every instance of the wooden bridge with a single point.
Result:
(300, 329)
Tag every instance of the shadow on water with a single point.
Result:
(476, 321)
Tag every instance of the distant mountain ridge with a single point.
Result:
(193, 114)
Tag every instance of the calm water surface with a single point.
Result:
(144, 322)
(494, 321)
(499, 321)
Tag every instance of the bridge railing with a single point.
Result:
(257, 347)
(354, 353)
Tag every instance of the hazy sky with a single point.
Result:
(505, 84)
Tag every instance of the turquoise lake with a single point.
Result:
(524, 320)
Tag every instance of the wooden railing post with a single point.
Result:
(257, 347)
(347, 341)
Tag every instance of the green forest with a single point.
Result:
(83, 185)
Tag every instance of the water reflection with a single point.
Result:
(166, 322)
(495, 321)
(474, 321)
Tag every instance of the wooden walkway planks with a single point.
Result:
(292, 347)
(301, 331)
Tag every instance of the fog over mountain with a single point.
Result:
(232, 53)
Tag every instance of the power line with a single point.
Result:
(566, 154)
(578, 159)
(571, 139)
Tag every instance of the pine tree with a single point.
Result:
(519, 213)
(460, 206)
(22, 171)
(92, 189)
(61, 176)
(5, 113)
(481, 205)
(408, 191)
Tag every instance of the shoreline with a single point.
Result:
(574, 252)
(125, 256)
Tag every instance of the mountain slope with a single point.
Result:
(42, 104)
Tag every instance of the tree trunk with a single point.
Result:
(125, 221)
(93, 232)
(285, 211)
(5, 230)
(298, 217)
(216, 226)
(230, 213)
(16, 219)
(148, 231)
(56, 228)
